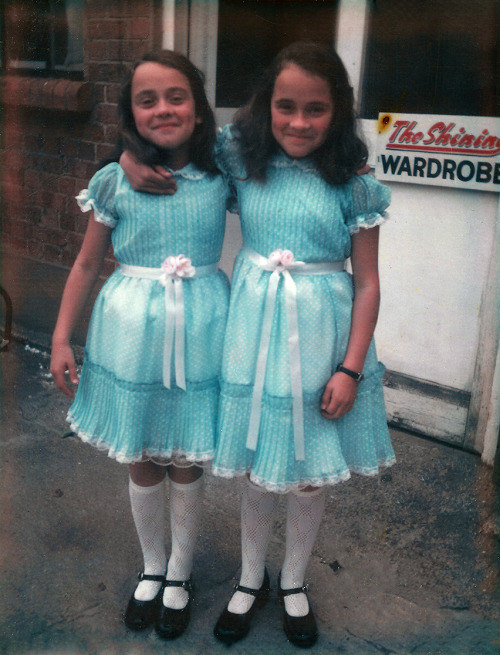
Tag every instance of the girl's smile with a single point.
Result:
(301, 111)
(164, 109)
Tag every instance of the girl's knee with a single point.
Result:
(147, 474)
(184, 474)
(309, 491)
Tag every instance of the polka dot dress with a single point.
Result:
(122, 405)
(296, 210)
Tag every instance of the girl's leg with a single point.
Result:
(186, 489)
(147, 499)
(257, 518)
(258, 508)
(304, 514)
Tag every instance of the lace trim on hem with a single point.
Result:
(153, 455)
(366, 221)
(312, 482)
(87, 204)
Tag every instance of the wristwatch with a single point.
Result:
(352, 374)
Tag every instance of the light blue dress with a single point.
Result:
(296, 210)
(122, 405)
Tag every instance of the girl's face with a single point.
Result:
(301, 111)
(164, 110)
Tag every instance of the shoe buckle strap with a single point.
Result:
(296, 590)
(148, 576)
(185, 584)
(246, 590)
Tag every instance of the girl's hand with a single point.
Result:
(63, 360)
(364, 171)
(146, 178)
(339, 396)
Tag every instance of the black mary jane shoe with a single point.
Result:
(140, 614)
(302, 631)
(171, 623)
(232, 627)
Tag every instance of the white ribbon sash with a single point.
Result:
(282, 262)
(171, 274)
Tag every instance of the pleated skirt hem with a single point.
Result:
(133, 422)
(359, 442)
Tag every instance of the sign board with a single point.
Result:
(451, 151)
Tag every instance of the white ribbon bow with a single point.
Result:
(279, 262)
(174, 270)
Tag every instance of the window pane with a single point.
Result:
(251, 33)
(68, 38)
(27, 34)
(436, 57)
(43, 35)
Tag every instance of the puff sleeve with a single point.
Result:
(101, 194)
(369, 201)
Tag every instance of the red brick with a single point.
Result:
(36, 92)
(32, 214)
(69, 147)
(111, 93)
(66, 185)
(104, 151)
(48, 164)
(105, 29)
(13, 159)
(87, 151)
(109, 50)
(139, 28)
(18, 244)
(22, 230)
(11, 191)
(52, 253)
(34, 248)
(107, 72)
(13, 136)
(49, 235)
(107, 114)
(79, 97)
(99, 92)
(51, 145)
(13, 179)
(67, 223)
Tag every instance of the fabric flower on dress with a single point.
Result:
(176, 266)
(281, 259)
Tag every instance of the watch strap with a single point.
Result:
(352, 374)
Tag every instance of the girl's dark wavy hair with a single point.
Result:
(202, 143)
(342, 153)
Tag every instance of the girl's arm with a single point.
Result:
(145, 178)
(157, 179)
(76, 292)
(340, 392)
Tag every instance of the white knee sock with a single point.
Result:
(185, 512)
(147, 505)
(257, 519)
(304, 513)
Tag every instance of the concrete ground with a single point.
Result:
(404, 563)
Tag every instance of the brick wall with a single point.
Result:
(54, 134)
